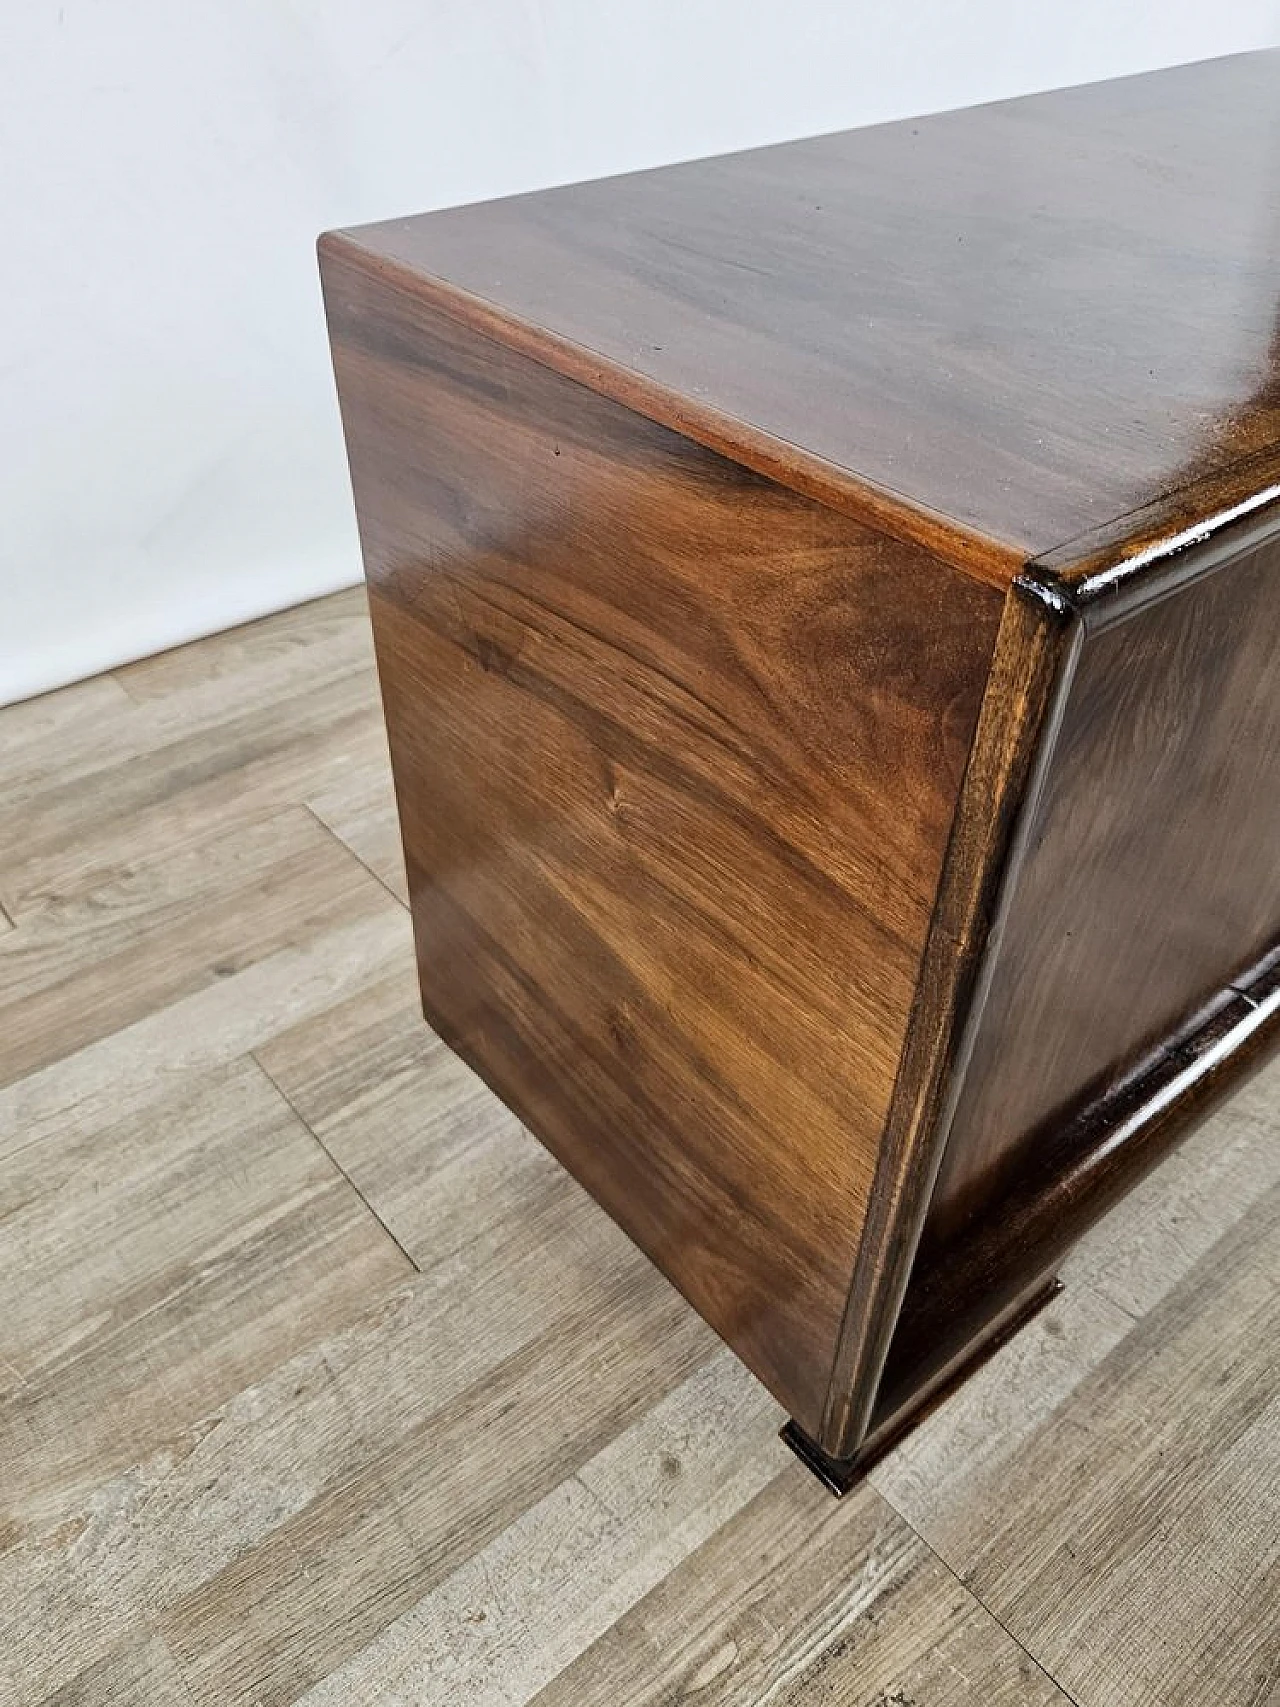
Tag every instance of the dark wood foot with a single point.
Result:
(836, 1474)
(841, 1474)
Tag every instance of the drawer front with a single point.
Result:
(1152, 876)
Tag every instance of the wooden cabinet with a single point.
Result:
(826, 603)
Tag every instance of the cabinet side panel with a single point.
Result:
(1152, 878)
(676, 752)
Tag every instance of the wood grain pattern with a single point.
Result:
(1152, 880)
(86, 965)
(576, 1558)
(747, 864)
(1078, 1565)
(175, 771)
(376, 1087)
(207, 1222)
(1035, 654)
(681, 918)
(142, 1675)
(1153, 1238)
(323, 638)
(33, 723)
(359, 807)
(963, 1289)
(210, 1028)
(251, 1457)
(404, 1465)
(1147, 1248)
(996, 328)
(795, 1599)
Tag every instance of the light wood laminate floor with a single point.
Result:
(320, 1382)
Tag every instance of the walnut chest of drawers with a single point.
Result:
(827, 603)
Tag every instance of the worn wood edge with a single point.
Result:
(1035, 654)
(982, 558)
(1158, 549)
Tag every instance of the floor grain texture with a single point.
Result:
(320, 1382)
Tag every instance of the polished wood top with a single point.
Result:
(994, 330)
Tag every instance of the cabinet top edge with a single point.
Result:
(1103, 580)
(791, 465)
(993, 330)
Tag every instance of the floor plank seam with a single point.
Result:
(115, 676)
(284, 1095)
(975, 1596)
(347, 848)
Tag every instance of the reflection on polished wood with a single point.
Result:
(825, 608)
(998, 329)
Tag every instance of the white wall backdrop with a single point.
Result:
(170, 458)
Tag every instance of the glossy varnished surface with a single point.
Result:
(967, 1281)
(1153, 873)
(1034, 651)
(1024, 320)
(675, 785)
(742, 853)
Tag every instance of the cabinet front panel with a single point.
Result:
(1152, 877)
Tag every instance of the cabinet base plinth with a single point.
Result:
(841, 1474)
(836, 1474)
